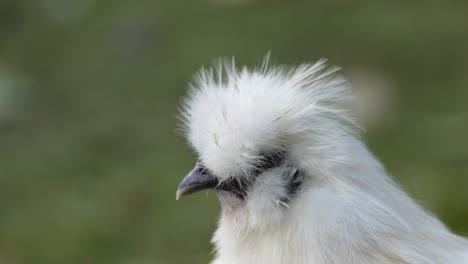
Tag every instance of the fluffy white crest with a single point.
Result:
(232, 116)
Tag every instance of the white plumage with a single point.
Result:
(296, 183)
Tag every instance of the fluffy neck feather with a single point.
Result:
(356, 216)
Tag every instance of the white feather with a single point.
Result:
(349, 210)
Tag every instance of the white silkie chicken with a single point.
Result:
(295, 182)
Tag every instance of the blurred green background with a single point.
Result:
(89, 90)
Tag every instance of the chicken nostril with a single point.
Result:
(295, 175)
(203, 170)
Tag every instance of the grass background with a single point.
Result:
(89, 90)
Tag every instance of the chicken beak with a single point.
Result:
(198, 179)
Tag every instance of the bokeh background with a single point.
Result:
(89, 90)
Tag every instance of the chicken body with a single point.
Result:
(295, 181)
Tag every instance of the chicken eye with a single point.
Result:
(269, 161)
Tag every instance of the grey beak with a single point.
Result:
(198, 179)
